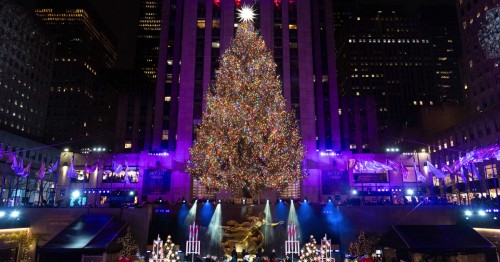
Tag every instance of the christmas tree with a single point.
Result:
(130, 246)
(309, 252)
(362, 246)
(168, 250)
(247, 140)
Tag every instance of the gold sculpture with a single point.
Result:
(246, 235)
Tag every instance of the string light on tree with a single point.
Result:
(309, 252)
(247, 140)
(170, 254)
(489, 33)
(130, 246)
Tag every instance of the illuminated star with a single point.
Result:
(246, 14)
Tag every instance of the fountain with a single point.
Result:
(215, 232)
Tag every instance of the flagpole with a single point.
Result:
(3, 181)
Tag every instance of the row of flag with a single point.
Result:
(23, 171)
(462, 166)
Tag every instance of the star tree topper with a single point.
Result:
(246, 14)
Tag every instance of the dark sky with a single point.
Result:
(122, 18)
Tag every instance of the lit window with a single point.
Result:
(167, 99)
(164, 135)
(201, 23)
(128, 144)
(292, 27)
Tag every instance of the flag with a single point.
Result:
(13, 160)
(351, 163)
(464, 174)
(438, 173)
(41, 171)
(26, 170)
(117, 168)
(18, 167)
(126, 178)
(90, 169)
(393, 165)
(404, 171)
(71, 170)
(359, 167)
(54, 167)
(474, 171)
(497, 154)
(420, 177)
(446, 168)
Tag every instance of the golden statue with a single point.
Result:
(247, 235)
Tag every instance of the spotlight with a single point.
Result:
(183, 201)
(410, 192)
(2, 213)
(131, 193)
(219, 201)
(14, 214)
(281, 200)
(305, 199)
(329, 199)
(354, 192)
(468, 213)
(481, 213)
(75, 194)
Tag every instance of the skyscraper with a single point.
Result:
(405, 55)
(148, 37)
(26, 60)
(84, 48)
(480, 126)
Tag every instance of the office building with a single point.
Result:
(84, 47)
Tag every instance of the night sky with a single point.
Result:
(122, 18)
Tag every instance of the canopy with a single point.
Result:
(88, 234)
(437, 239)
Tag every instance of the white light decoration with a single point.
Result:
(246, 14)
(489, 33)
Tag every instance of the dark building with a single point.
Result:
(402, 54)
(134, 107)
(479, 127)
(84, 47)
(26, 61)
(148, 37)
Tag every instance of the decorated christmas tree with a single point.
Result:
(309, 252)
(247, 140)
(170, 254)
(130, 246)
(362, 246)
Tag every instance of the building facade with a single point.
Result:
(84, 47)
(405, 56)
(480, 125)
(26, 58)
